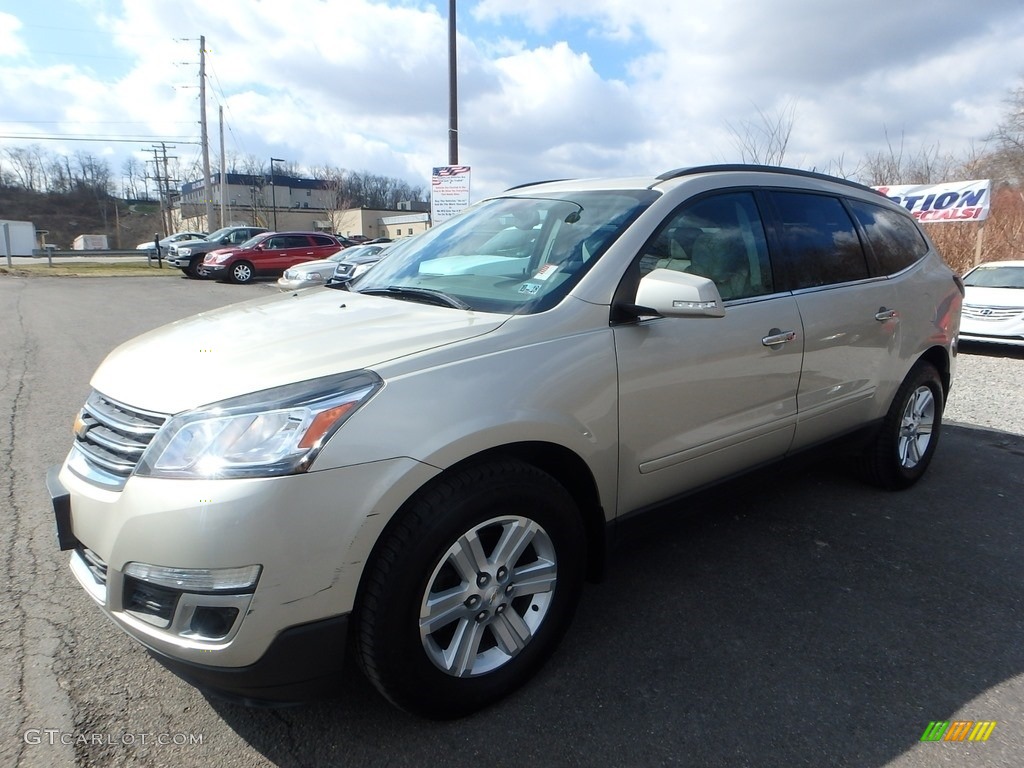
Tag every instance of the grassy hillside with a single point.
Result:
(65, 216)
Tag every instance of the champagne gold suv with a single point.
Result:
(423, 465)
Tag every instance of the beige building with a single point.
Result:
(292, 203)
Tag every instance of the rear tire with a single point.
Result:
(900, 453)
(470, 589)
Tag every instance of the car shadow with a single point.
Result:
(796, 617)
(991, 350)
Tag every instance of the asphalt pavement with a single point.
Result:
(793, 618)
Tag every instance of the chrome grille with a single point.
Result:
(112, 436)
(993, 314)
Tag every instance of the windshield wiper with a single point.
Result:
(419, 294)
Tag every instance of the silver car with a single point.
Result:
(350, 261)
(427, 463)
(993, 311)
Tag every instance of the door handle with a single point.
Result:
(776, 338)
(884, 314)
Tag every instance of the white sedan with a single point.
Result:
(993, 310)
(167, 242)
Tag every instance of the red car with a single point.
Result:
(269, 254)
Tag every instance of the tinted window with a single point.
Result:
(718, 237)
(894, 238)
(820, 241)
(323, 240)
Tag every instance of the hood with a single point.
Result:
(269, 342)
(978, 296)
(305, 266)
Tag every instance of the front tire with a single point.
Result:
(470, 589)
(242, 272)
(901, 452)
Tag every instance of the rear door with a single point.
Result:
(851, 319)
(703, 398)
(284, 251)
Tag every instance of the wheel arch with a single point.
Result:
(939, 357)
(566, 467)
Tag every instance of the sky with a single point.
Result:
(546, 88)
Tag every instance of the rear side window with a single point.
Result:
(820, 241)
(895, 240)
(322, 240)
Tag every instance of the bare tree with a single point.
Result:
(764, 141)
(898, 165)
(27, 167)
(1008, 138)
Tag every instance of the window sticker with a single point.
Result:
(545, 272)
(530, 288)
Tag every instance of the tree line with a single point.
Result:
(34, 169)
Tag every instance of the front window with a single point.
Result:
(515, 255)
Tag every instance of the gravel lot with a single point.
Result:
(988, 390)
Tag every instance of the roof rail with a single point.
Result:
(678, 172)
(534, 183)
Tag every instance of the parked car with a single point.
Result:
(312, 273)
(188, 255)
(268, 254)
(993, 309)
(166, 242)
(428, 462)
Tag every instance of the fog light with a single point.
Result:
(241, 579)
(213, 622)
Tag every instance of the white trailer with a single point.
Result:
(21, 235)
(90, 243)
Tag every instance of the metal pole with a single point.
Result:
(453, 90)
(273, 192)
(207, 192)
(7, 242)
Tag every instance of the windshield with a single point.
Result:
(252, 241)
(215, 236)
(996, 277)
(515, 255)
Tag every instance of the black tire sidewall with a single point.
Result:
(889, 470)
(405, 674)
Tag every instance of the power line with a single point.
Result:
(75, 137)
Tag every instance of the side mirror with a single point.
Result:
(667, 293)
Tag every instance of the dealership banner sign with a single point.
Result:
(955, 201)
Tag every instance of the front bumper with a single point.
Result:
(302, 663)
(310, 534)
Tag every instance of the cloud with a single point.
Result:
(547, 88)
(10, 44)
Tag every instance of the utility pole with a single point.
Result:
(453, 90)
(207, 192)
(223, 172)
(167, 182)
(159, 189)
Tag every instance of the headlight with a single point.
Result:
(216, 258)
(183, 251)
(304, 276)
(277, 431)
(358, 269)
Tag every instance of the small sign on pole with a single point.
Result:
(449, 192)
